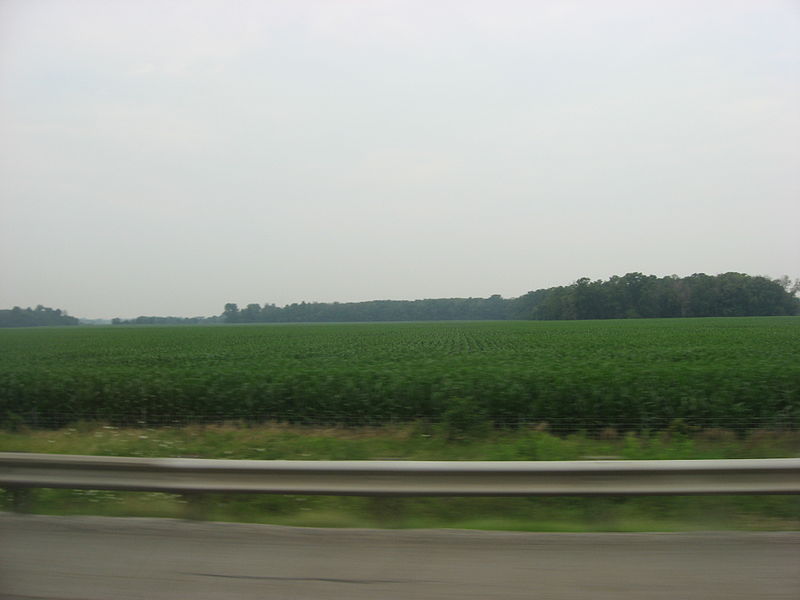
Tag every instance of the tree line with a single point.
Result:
(438, 309)
(33, 317)
(633, 295)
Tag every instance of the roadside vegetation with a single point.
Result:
(420, 441)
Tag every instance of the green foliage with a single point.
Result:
(631, 296)
(621, 375)
(636, 295)
(413, 442)
(35, 317)
(464, 418)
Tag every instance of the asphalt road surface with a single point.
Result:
(89, 558)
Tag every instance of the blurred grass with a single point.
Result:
(419, 442)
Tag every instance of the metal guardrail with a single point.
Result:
(20, 471)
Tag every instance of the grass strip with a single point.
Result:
(419, 442)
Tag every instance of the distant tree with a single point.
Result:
(250, 314)
(789, 286)
(38, 317)
(231, 313)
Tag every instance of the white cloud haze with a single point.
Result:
(164, 158)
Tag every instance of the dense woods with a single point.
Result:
(633, 295)
(630, 296)
(32, 317)
(439, 309)
(640, 296)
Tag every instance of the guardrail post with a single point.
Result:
(386, 509)
(21, 499)
(196, 506)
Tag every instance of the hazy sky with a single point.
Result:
(166, 157)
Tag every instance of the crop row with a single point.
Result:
(644, 374)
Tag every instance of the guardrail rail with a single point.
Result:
(191, 476)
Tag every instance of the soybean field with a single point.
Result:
(646, 374)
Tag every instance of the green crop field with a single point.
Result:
(737, 373)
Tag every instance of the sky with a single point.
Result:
(167, 157)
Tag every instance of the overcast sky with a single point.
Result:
(167, 157)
